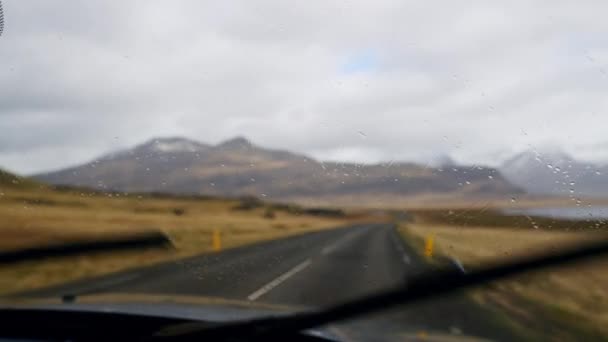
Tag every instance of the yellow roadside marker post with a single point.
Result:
(216, 240)
(428, 246)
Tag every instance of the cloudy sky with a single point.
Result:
(340, 80)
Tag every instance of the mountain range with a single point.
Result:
(237, 167)
(554, 172)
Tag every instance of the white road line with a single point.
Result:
(406, 258)
(276, 282)
(327, 250)
(330, 248)
(459, 265)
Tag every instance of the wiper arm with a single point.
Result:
(422, 287)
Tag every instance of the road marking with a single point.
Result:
(276, 282)
(330, 248)
(459, 265)
(406, 258)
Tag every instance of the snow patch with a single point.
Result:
(176, 146)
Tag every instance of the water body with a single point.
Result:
(573, 213)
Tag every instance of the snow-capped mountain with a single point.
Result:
(555, 172)
(238, 167)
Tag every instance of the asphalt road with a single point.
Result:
(312, 269)
(309, 270)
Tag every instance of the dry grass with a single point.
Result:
(422, 201)
(37, 217)
(570, 298)
(475, 245)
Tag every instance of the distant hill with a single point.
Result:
(8, 179)
(238, 167)
(556, 173)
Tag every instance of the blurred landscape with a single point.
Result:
(571, 301)
(34, 214)
(237, 167)
(554, 172)
(244, 134)
(189, 190)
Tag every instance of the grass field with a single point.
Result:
(33, 216)
(569, 303)
(454, 201)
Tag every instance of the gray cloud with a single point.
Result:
(477, 81)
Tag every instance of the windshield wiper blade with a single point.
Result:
(422, 287)
(116, 243)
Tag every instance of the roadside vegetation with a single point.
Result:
(567, 303)
(36, 215)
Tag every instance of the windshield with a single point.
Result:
(298, 155)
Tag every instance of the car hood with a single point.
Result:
(173, 306)
(212, 309)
